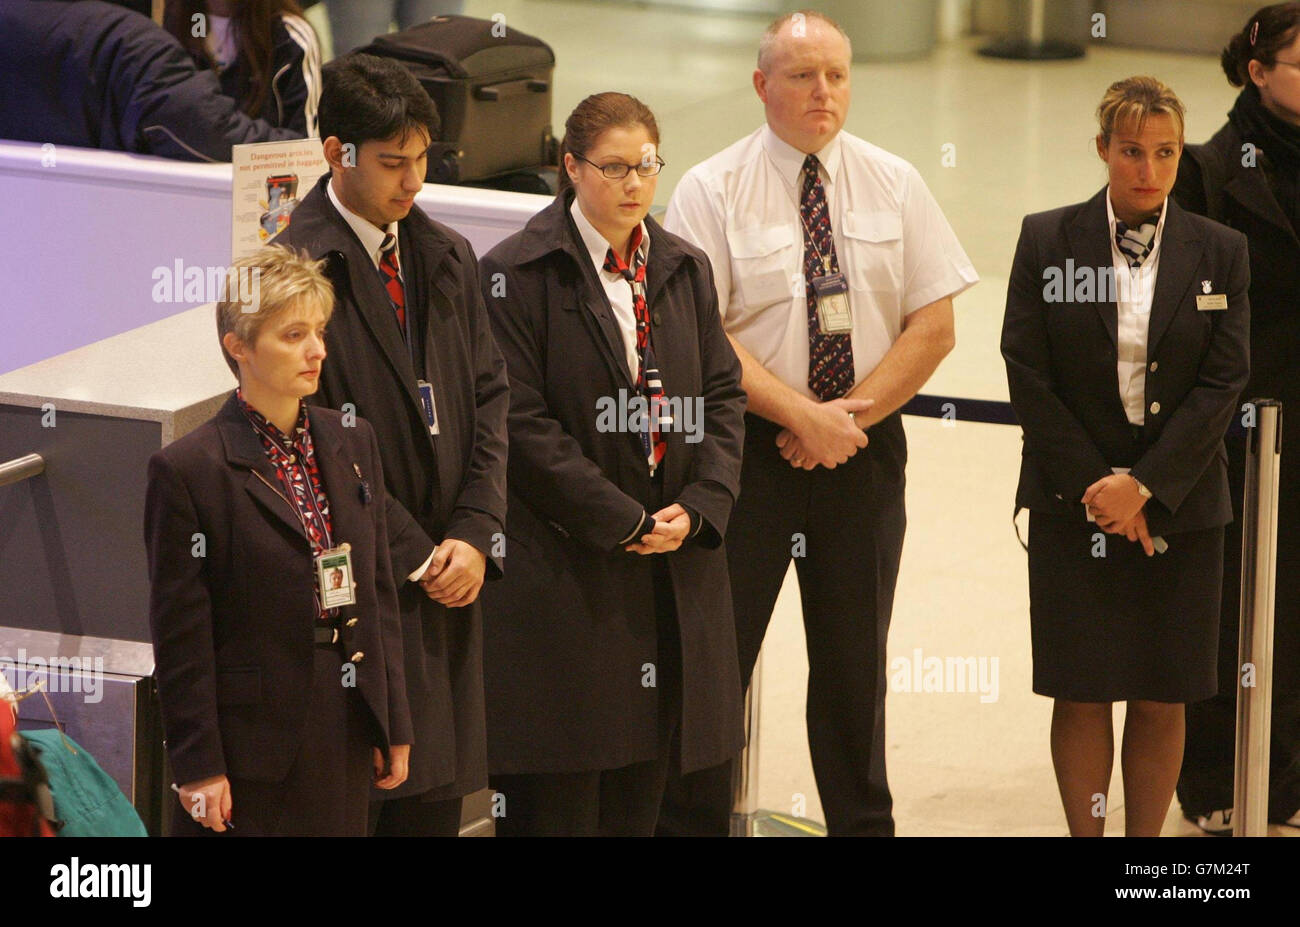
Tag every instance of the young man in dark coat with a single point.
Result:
(413, 354)
(97, 75)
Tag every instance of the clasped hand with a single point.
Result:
(672, 524)
(828, 436)
(455, 575)
(1116, 504)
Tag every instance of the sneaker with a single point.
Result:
(1218, 823)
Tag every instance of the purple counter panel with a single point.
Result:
(94, 240)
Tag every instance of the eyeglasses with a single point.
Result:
(617, 170)
(1289, 64)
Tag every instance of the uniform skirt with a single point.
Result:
(1108, 623)
(327, 791)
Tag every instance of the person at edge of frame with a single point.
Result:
(1247, 176)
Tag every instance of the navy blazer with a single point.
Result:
(1061, 361)
(232, 606)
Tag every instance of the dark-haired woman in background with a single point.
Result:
(265, 54)
(609, 646)
(1248, 177)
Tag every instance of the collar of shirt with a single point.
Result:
(788, 160)
(272, 437)
(1118, 257)
(596, 244)
(370, 235)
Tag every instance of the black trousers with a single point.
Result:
(620, 802)
(844, 528)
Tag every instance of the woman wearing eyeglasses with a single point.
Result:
(609, 648)
(1248, 177)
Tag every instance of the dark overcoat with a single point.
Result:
(1219, 181)
(571, 633)
(449, 485)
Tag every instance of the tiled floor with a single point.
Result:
(1022, 137)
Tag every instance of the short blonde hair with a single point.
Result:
(1130, 101)
(264, 284)
(768, 41)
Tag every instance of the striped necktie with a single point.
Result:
(649, 385)
(391, 275)
(1136, 243)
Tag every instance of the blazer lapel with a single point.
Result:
(347, 265)
(436, 286)
(377, 313)
(606, 334)
(1180, 254)
(342, 481)
(1090, 245)
(244, 449)
(553, 229)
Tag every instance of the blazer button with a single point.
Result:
(358, 656)
(351, 622)
(1155, 365)
(1155, 408)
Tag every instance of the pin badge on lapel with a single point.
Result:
(364, 489)
(1210, 302)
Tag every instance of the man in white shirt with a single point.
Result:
(835, 272)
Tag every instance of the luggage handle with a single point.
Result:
(494, 92)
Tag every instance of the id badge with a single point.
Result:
(430, 408)
(334, 570)
(833, 314)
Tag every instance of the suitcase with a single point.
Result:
(492, 87)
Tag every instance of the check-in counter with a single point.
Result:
(75, 613)
(92, 234)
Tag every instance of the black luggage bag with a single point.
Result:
(492, 86)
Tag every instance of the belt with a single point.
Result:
(326, 635)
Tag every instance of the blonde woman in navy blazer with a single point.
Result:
(1126, 344)
(279, 714)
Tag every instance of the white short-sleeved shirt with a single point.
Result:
(892, 241)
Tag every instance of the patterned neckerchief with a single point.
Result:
(294, 459)
(648, 381)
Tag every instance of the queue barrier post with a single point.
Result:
(1255, 636)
